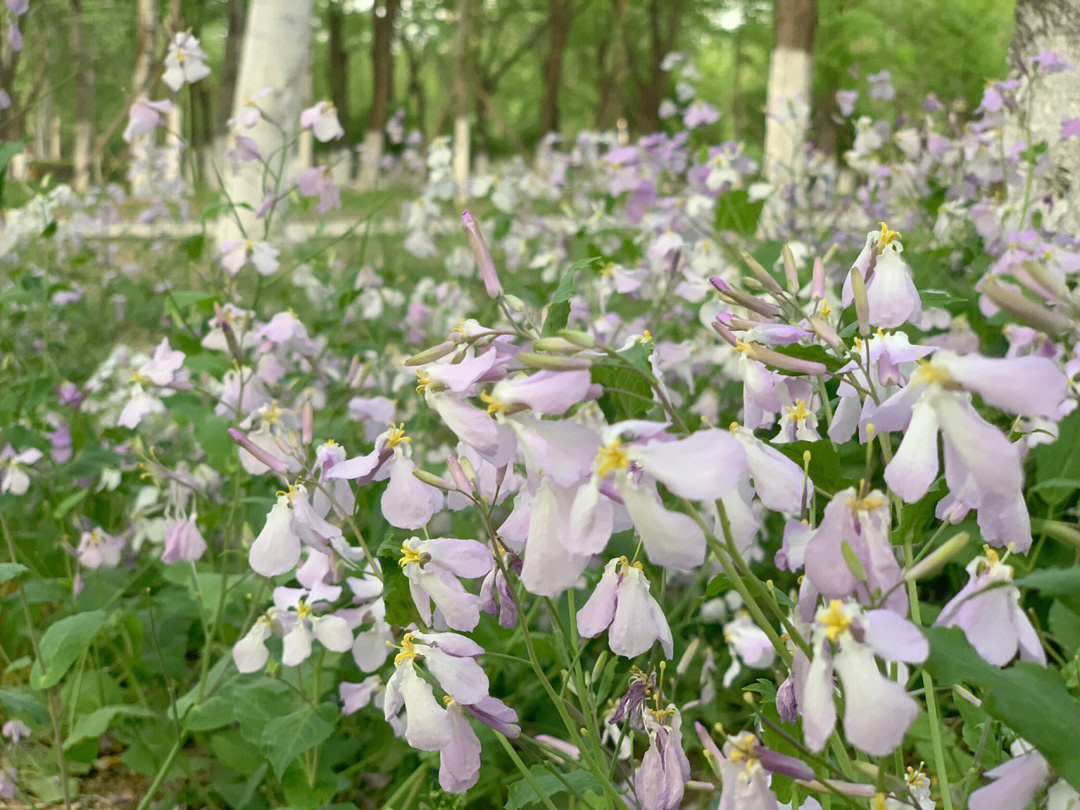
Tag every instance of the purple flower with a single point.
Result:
(1014, 783)
(845, 101)
(877, 711)
(1070, 128)
(660, 779)
(98, 549)
(863, 525)
(183, 541)
(890, 291)
(622, 601)
(145, 117)
(15, 730)
(433, 567)
(988, 610)
(322, 120)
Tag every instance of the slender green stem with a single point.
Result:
(525, 772)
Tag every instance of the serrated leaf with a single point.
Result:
(1032, 700)
(62, 643)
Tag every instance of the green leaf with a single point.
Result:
(851, 559)
(1057, 465)
(523, 794)
(93, 725)
(64, 642)
(633, 397)
(1064, 626)
(1063, 583)
(69, 503)
(825, 467)
(400, 608)
(9, 571)
(286, 738)
(1032, 700)
(736, 212)
(25, 706)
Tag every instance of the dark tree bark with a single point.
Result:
(230, 63)
(665, 19)
(416, 92)
(383, 15)
(559, 20)
(337, 64)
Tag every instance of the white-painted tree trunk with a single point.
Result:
(370, 158)
(787, 112)
(1053, 25)
(174, 143)
(461, 155)
(275, 55)
(141, 173)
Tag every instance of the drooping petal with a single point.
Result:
(877, 711)
(459, 760)
(915, 465)
(597, 613)
(893, 637)
(671, 539)
(277, 548)
(701, 467)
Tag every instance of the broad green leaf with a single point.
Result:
(400, 608)
(286, 738)
(64, 642)
(93, 725)
(1057, 465)
(735, 211)
(258, 704)
(1063, 583)
(1032, 700)
(523, 794)
(9, 571)
(632, 396)
(24, 706)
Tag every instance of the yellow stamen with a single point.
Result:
(611, 457)
(494, 405)
(397, 435)
(887, 236)
(408, 651)
(799, 412)
(835, 620)
(410, 556)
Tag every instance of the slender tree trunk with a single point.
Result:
(11, 119)
(230, 63)
(787, 112)
(383, 16)
(84, 98)
(662, 40)
(337, 64)
(146, 14)
(462, 76)
(559, 16)
(1053, 25)
(276, 46)
(416, 87)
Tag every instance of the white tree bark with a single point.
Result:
(1053, 25)
(275, 55)
(141, 174)
(787, 112)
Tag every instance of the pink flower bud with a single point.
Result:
(267, 458)
(484, 262)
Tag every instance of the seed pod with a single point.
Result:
(936, 559)
(552, 362)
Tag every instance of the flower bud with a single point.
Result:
(791, 272)
(725, 333)
(515, 303)
(552, 362)
(817, 281)
(269, 459)
(484, 262)
(743, 299)
(457, 474)
(1062, 532)
(862, 303)
(582, 339)
(307, 425)
(760, 273)
(936, 559)
(431, 354)
(782, 361)
(434, 481)
(1023, 308)
(556, 345)
(824, 331)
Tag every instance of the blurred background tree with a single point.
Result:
(521, 68)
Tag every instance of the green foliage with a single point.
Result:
(1030, 699)
(580, 782)
(61, 644)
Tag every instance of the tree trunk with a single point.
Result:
(787, 111)
(1053, 25)
(662, 41)
(559, 16)
(337, 64)
(461, 99)
(416, 87)
(84, 99)
(383, 16)
(277, 37)
(11, 119)
(145, 27)
(230, 63)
